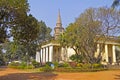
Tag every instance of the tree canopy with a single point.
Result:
(24, 29)
(10, 11)
(90, 27)
(115, 3)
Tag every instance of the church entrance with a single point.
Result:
(56, 53)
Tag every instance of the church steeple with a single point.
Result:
(59, 18)
(58, 29)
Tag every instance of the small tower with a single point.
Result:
(58, 29)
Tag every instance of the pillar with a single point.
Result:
(37, 56)
(114, 54)
(98, 48)
(51, 53)
(106, 52)
(46, 54)
(41, 55)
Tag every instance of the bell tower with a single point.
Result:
(58, 29)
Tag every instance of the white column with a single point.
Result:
(41, 55)
(51, 53)
(46, 54)
(37, 56)
(114, 54)
(106, 52)
(63, 53)
(98, 48)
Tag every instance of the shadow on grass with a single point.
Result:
(29, 76)
(117, 77)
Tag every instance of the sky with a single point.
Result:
(47, 10)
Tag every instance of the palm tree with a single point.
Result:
(115, 3)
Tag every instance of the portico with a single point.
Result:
(109, 54)
(49, 53)
(53, 53)
(109, 51)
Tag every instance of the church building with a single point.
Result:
(53, 52)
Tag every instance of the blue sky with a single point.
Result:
(47, 10)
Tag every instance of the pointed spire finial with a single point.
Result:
(58, 29)
(59, 17)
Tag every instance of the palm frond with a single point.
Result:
(116, 3)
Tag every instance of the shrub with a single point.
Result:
(46, 68)
(73, 64)
(86, 66)
(35, 64)
(77, 70)
(65, 64)
(90, 66)
(2, 62)
(13, 65)
(76, 58)
(97, 65)
(80, 65)
(49, 63)
(56, 64)
(22, 65)
(29, 67)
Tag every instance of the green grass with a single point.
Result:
(35, 70)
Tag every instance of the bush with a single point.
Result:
(73, 64)
(49, 63)
(46, 68)
(22, 65)
(56, 64)
(90, 66)
(13, 65)
(86, 66)
(2, 62)
(77, 70)
(80, 65)
(76, 58)
(29, 67)
(97, 65)
(65, 64)
(35, 64)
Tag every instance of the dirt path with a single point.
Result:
(13, 74)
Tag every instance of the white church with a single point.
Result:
(52, 51)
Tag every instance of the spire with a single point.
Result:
(59, 18)
(58, 29)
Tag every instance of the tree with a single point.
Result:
(115, 3)
(10, 10)
(25, 32)
(43, 35)
(14, 51)
(2, 60)
(90, 27)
